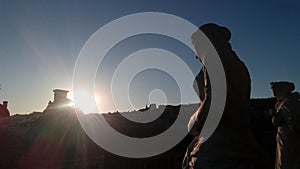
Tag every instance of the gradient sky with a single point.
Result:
(40, 41)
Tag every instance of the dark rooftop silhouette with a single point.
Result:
(4, 112)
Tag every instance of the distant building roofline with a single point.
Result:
(60, 90)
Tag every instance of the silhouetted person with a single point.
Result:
(287, 119)
(232, 144)
(202, 88)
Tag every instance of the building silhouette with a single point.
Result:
(60, 99)
(4, 112)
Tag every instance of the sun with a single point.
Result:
(86, 102)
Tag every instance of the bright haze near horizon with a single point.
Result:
(41, 40)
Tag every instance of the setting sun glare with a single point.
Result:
(86, 102)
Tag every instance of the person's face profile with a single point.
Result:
(274, 92)
(200, 58)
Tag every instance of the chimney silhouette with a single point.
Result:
(60, 96)
(5, 104)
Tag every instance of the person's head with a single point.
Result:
(216, 35)
(282, 89)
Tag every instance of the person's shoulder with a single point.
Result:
(293, 100)
(296, 95)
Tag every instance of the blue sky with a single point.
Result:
(40, 41)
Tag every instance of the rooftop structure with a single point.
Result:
(4, 112)
(60, 99)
